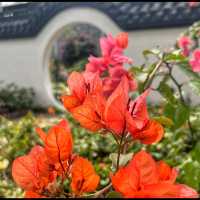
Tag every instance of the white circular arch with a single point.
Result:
(55, 26)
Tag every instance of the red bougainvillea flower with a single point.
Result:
(80, 85)
(112, 81)
(184, 43)
(31, 172)
(112, 50)
(96, 65)
(119, 115)
(58, 144)
(109, 67)
(144, 178)
(195, 61)
(139, 124)
(165, 172)
(96, 112)
(122, 40)
(116, 106)
(112, 54)
(84, 177)
(89, 114)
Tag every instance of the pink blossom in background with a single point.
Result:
(110, 65)
(122, 40)
(115, 75)
(193, 3)
(96, 65)
(184, 43)
(195, 61)
(112, 51)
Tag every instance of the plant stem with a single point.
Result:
(179, 87)
(100, 192)
(120, 146)
(151, 75)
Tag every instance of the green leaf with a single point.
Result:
(192, 174)
(196, 152)
(148, 52)
(181, 115)
(175, 56)
(124, 158)
(195, 85)
(113, 194)
(167, 92)
(164, 121)
(169, 111)
(178, 113)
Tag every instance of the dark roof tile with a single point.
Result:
(27, 20)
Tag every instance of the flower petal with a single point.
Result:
(76, 83)
(152, 133)
(116, 106)
(84, 178)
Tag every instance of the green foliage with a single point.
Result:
(16, 139)
(167, 92)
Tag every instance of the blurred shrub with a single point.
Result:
(16, 98)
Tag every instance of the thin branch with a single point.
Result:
(100, 192)
(151, 75)
(179, 87)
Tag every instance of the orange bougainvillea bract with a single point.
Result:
(84, 178)
(38, 169)
(145, 178)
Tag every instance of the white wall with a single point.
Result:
(25, 61)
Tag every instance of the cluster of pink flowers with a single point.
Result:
(110, 66)
(185, 44)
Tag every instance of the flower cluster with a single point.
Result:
(99, 100)
(185, 43)
(38, 171)
(117, 112)
(110, 65)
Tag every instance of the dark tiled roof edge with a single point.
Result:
(27, 20)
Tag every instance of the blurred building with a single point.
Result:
(29, 30)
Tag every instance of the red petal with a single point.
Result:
(138, 108)
(122, 40)
(90, 113)
(25, 173)
(166, 173)
(126, 181)
(146, 167)
(76, 83)
(159, 190)
(116, 106)
(152, 133)
(94, 81)
(186, 192)
(36, 151)
(41, 133)
(58, 144)
(64, 124)
(70, 102)
(84, 177)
